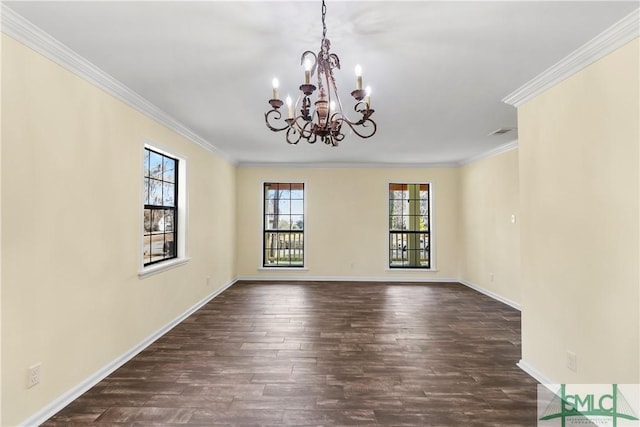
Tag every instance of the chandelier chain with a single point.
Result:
(324, 25)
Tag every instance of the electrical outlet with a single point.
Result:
(572, 363)
(33, 375)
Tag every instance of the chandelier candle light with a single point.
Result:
(325, 122)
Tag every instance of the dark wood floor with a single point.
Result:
(338, 353)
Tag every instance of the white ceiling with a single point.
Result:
(438, 69)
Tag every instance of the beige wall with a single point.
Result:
(579, 182)
(489, 240)
(71, 223)
(347, 221)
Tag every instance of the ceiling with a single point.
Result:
(438, 69)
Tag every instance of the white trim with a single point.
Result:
(63, 400)
(322, 165)
(492, 295)
(305, 241)
(182, 212)
(534, 373)
(415, 279)
(162, 266)
(350, 279)
(432, 234)
(491, 153)
(19, 28)
(620, 33)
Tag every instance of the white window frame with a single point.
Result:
(432, 231)
(305, 264)
(181, 246)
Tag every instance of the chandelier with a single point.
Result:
(325, 122)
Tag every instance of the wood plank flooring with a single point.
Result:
(324, 354)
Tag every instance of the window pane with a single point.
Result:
(397, 223)
(155, 165)
(146, 162)
(284, 222)
(268, 206)
(168, 194)
(297, 207)
(297, 191)
(145, 191)
(284, 193)
(146, 250)
(396, 190)
(169, 169)
(155, 192)
(147, 221)
(424, 194)
(157, 247)
(269, 192)
(157, 216)
(168, 220)
(284, 206)
(169, 245)
(270, 248)
(424, 223)
(413, 222)
(297, 222)
(269, 222)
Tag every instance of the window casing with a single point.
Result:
(160, 195)
(283, 225)
(410, 225)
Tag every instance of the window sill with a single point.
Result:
(163, 266)
(428, 270)
(283, 269)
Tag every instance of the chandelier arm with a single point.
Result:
(278, 116)
(307, 130)
(310, 136)
(373, 127)
(292, 131)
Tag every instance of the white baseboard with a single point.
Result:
(52, 408)
(535, 374)
(287, 278)
(292, 278)
(491, 294)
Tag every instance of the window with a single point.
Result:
(409, 226)
(160, 207)
(283, 225)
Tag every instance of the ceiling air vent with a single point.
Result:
(500, 131)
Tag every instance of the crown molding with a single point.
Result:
(494, 152)
(346, 165)
(17, 27)
(620, 33)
